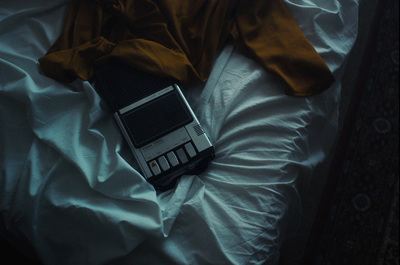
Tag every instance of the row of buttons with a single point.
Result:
(164, 163)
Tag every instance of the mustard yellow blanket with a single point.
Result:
(180, 39)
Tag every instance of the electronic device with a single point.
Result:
(157, 122)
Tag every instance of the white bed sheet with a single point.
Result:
(68, 184)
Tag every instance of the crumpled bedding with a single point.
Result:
(179, 39)
(70, 188)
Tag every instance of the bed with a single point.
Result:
(71, 192)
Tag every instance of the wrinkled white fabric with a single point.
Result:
(68, 183)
